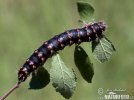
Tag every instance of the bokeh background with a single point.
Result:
(25, 24)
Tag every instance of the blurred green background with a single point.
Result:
(25, 24)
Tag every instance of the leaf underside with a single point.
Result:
(103, 49)
(63, 79)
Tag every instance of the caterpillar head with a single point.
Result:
(102, 25)
(22, 74)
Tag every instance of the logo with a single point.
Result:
(114, 94)
(100, 91)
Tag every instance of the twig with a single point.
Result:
(10, 91)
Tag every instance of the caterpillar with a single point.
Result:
(87, 33)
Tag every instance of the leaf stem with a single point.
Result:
(10, 91)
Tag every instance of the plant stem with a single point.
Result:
(10, 91)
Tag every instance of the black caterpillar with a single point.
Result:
(86, 34)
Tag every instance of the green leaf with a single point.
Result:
(83, 63)
(40, 79)
(85, 10)
(63, 79)
(103, 49)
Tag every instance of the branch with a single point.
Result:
(10, 91)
